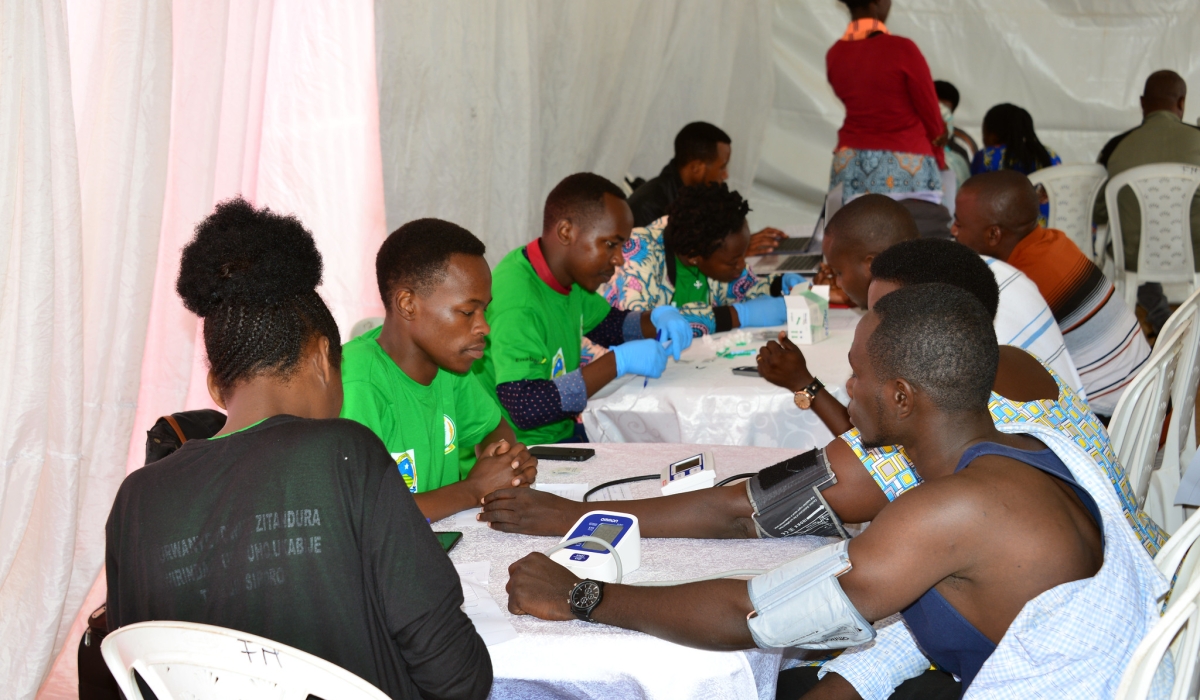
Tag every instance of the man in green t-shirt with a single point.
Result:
(409, 380)
(546, 301)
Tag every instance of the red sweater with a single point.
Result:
(888, 92)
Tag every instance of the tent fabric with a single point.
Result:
(1077, 66)
(485, 106)
(41, 339)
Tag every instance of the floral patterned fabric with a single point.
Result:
(641, 284)
(862, 172)
(1070, 415)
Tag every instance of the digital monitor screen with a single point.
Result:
(686, 465)
(606, 532)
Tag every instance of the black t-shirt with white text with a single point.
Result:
(303, 532)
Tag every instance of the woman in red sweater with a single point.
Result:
(891, 142)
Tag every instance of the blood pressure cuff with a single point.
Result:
(801, 604)
(787, 498)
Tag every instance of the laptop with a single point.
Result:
(801, 254)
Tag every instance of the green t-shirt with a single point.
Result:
(536, 333)
(410, 417)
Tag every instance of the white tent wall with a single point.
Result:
(1078, 66)
(486, 105)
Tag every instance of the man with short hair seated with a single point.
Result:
(997, 215)
(1162, 137)
(702, 153)
(695, 259)
(1010, 566)
(545, 303)
(409, 380)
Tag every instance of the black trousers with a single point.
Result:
(931, 685)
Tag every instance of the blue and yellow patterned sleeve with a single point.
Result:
(636, 285)
(889, 466)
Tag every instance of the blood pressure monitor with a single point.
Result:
(697, 472)
(589, 559)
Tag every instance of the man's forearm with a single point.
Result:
(723, 513)
(446, 501)
(705, 615)
(597, 374)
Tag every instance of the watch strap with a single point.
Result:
(814, 388)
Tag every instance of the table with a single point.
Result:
(583, 660)
(699, 399)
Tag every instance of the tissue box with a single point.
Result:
(807, 315)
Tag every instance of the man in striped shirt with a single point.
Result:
(996, 215)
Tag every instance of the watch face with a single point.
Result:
(803, 400)
(586, 595)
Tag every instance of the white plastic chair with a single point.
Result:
(1164, 192)
(1177, 633)
(1179, 556)
(180, 660)
(1072, 191)
(1181, 429)
(367, 324)
(1137, 421)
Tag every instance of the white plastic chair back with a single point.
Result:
(1072, 191)
(367, 324)
(179, 660)
(1177, 633)
(1137, 420)
(1179, 556)
(1164, 192)
(1181, 429)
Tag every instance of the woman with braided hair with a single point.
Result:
(290, 523)
(695, 259)
(1010, 143)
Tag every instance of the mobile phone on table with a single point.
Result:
(448, 539)
(746, 371)
(562, 454)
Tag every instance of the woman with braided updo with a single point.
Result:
(695, 258)
(291, 523)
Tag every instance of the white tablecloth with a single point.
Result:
(582, 660)
(699, 400)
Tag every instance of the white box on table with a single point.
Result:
(807, 314)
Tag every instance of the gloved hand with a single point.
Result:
(674, 327)
(762, 311)
(645, 357)
(791, 279)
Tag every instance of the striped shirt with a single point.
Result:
(1100, 330)
(1025, 321)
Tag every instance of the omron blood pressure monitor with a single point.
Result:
(589, 559)
(697, 472)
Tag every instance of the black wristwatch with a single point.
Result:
(805, 397)
(584, 598)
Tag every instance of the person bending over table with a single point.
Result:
(695, 259)
(409, 380)
(871, 224)
(855, 482)
(999, 217)
(545, 302)
(291, 523)
(702, 153)
(1013, 531)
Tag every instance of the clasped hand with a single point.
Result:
(501, 466)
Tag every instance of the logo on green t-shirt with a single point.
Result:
(406, 462)
(559, 368)
(450, 433)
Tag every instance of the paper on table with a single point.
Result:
(573, 492)
(1189, 489)
(466, 519)
(620, 492)
(480, 606)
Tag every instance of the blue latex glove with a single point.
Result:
(791, 279)
(674, 327)
(762, 311)
(647, 358)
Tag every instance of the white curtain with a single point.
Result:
(486, 105)
(41, 339)
(1078, 67)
